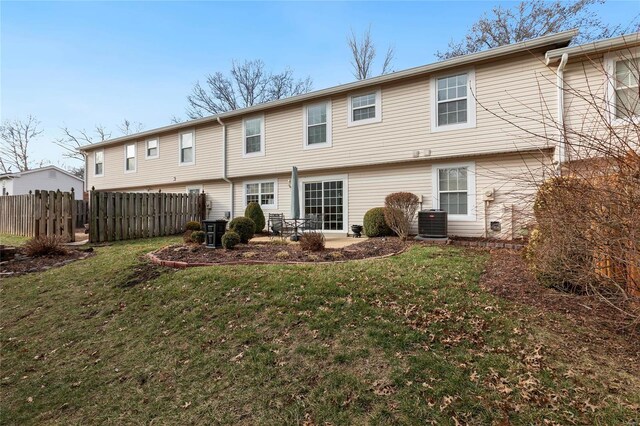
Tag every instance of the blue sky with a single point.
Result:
(79, 64)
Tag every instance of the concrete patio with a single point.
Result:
(331, 240)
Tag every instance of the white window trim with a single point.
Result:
(305, 118)
(471, 190)
(471, 102)
(94, 163)
(378, 105)
(262, 138)
(146, 149)
(345, 198)
(135, 157)
(610, 60)
(263, 206)
(193, 138)
(198, 187)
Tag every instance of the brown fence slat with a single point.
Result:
(127, 215)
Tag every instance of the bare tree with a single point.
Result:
(248, 83)
(73, 140)
(128, 127)
(531, 19)
(363, 54)
(14, 149)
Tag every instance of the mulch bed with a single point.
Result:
(277, 253)
(23, 264)
(603, 329)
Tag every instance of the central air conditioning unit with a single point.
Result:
(432, 224)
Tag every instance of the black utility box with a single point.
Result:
(214, 230)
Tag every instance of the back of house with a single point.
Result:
(472, 135)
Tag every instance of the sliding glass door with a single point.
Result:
(325, 201)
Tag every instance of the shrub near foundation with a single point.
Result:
(244, 227)
(230, 239)
(255, 213)
(375, 224)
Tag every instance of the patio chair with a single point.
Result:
(313, 223)
(276, 225)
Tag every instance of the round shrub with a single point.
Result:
(254, 212)
(244, 227)
(230, 239)
(193, 226)
(374, 223)
(197, 237)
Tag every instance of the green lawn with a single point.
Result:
(404, 340)
(12, 240)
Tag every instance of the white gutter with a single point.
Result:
(560, 85)
(224, 164)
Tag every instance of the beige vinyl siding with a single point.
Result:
(163, 170)
(516, 85)
(513, 177)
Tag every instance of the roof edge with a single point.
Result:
(607, 44)
(497, 52)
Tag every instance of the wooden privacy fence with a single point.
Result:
(82, 213)
(40, 213)
(115, 216)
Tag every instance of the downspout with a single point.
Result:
(560, 85)
(224, 165)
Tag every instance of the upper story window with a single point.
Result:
(253, 129)
(130, 158)
(153, 149)
(98, 163)
(317, 125)
(454, 190)
(263, 193)
(624, 95)
(187, 148)
(453, 105)
(365, 108)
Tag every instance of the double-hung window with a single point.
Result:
(454, 190)
(623, 71)
(365, 108)
(263, 193)
(187, 148)
(98, 161)
(317, 125)
(253, 130)
(130, 158)
(453, 105)
(153, 150)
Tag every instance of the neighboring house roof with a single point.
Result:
(608, 44)
(554, 40)
(41, 169)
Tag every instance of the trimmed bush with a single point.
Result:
(198, 237)
(375, 224)
(399, 212)
(193, 226)
(312, 241)
(254, 212)
(244, 227)
(230, 239)
(45, 245)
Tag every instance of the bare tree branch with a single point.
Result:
(16, 136)
(363, 55)
(531, 19)
(128, 127)
(248, 83)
